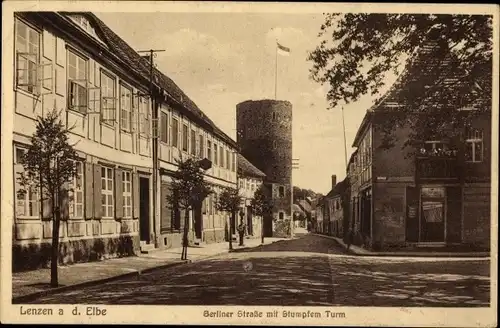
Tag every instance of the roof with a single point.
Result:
(133, 59)
(338, 189)
(296, 208)
(305, 206)
(247, 168)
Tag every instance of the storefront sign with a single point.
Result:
(412, 212)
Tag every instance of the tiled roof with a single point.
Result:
(134, 59)
(305, 206)
(338, 189)
(247, 168)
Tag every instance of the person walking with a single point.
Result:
(241, 231)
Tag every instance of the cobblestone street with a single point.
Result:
(309, 270)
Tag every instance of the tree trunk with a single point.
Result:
(185, 240)
(230, 233)
(262, 230)
(54, 259)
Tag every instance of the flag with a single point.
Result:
(283, 50)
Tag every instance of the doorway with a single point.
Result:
(249, 221)
(433, 213)
(198, 221)
(144, 229)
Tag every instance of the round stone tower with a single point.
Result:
(265, 139)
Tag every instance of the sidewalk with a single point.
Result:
(32, 284)
(356, 250)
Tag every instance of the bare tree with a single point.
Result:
(188, 190)
(49, 166)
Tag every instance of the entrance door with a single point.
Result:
(198, 221)
(433, 200)
(249, 221)
(144, 209)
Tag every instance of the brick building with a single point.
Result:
(73, 62)
(432, 193)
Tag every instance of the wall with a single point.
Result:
(477, 214)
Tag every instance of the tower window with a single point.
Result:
(281, 191)
(274, 116)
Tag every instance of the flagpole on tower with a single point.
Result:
(276, 71)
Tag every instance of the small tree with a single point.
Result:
(261, 205)
(49, 166)
(229, 201)
(188, 190)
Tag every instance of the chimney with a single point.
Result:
(334, 181)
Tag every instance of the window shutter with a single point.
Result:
(65, 201)
(20, 204)
(46, 208)
(412, 213)
(97, 192)
(89, 191)
(135, 195)
(118, 194)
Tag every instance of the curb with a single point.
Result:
(33, 296)
(479, 255)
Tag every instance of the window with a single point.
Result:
(434, 147)
(127, 194)
(27, 203)
(144, 117)
(281, 191)
(228, 160)
(107, 192)
(76, 205)
(164, 127)
(108, 103)
(193, 142)
(27, 57)
(215, 155)
(185, 137)
(474, 146)
(201, 148)
(209, 149)
(126, 108)
(281, 216)
(77, 82)
(275, 144)
(234, 162)
(274, 116)
(175, 133)
(241, 183)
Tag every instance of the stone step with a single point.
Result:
(147, 248)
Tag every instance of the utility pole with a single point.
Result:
(154, 136)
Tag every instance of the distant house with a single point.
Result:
(250, 179)
(333, 217)
(305, 205)
(318, 222)
(298, 215)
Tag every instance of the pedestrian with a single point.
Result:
(350, 238)
(241, 231)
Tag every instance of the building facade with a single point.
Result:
(435, 193)
(334, 203)
(265, 139)
(250, 179)
(74, 63)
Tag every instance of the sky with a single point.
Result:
(222, 59)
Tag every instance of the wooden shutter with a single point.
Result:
(89, 191)
(454, 214)
(165, 211)
(118, 194)
(135, 195)
(412, 214)
(97, 192)
(65, 201)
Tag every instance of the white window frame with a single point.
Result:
(126, 108)
(144, 117)
(192, 138)
(473, 138)
(209, 150)
(107, 180)
(26, 57)
(127, 194)
(108, 98)
(78, 90)
(31, 196)
(78, 188)
(164, 127)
